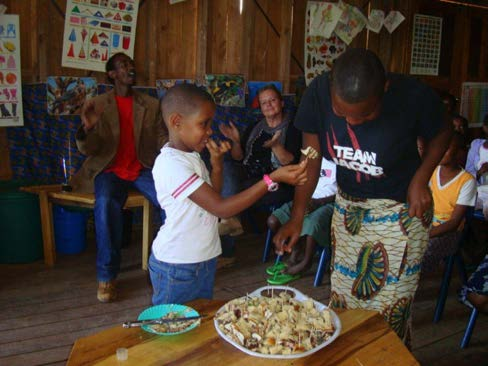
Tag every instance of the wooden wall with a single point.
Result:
(265, 42)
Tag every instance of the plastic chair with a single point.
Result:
(469, 328)
(446, 277)
(322, 266)
(324, 258)
(478, 214)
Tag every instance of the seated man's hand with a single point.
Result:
(90, 115)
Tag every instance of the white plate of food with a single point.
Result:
(277, 322)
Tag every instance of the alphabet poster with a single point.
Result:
(11, 111)
(94, 30)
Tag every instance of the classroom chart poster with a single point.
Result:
(94, 30)
(227, 89)
(426, 45)
(474, 103)
(11, 110)
(319, 52)
(66, 94)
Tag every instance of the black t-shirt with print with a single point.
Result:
(378, 158)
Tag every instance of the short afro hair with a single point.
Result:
(110, 65)
(184, 99)
(358, 74)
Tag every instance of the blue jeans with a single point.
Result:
(110, 196)
(178, 283)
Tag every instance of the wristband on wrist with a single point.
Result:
(272, 186)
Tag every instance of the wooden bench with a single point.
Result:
(49, 194)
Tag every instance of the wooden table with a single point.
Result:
(49, 194)
(366, 339)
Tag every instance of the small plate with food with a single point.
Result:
(170, 311)
(277, 322)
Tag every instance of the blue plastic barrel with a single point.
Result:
(69, 230)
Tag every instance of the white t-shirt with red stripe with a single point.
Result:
(190, 233)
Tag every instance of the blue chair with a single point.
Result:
(477, 214)
(450, 260)
(441, 300)
(469, 328)
(324, 258)
(321, 268)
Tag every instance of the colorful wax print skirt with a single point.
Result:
(377, 252)
(478, 282)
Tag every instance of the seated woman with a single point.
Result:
(475, 292)
(271, 143)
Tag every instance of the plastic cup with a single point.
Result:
(122, 354)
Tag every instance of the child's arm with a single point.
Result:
(451, 225)
(289, 233)
(206, 197)
(217, 152)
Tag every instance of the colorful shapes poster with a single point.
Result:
(94, 30)
(66, 94)
(11, 111)
(227, 90)
(163, 85)
(320, 52)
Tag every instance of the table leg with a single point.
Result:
(47, 229)
(146, 225)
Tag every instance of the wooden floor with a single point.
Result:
(43, 311)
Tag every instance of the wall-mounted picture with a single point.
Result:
(227, 90)
(96, 30)
(66, 95)
(162, 85)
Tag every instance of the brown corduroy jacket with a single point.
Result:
(100, 144)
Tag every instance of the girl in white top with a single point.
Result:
(183, 260)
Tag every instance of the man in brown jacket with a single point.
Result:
(121, 134)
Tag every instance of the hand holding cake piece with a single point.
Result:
(310, 152)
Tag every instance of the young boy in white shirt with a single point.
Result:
(184, 254)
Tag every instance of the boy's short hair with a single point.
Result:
(358, 74)
(184, 99)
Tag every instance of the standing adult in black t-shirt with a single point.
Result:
(367, 122)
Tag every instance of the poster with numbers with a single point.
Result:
(426, 45)
(11, 111)
(474, 103)
(94, 30)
